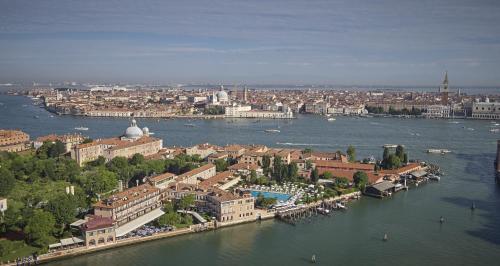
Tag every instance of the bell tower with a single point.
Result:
(444, 90)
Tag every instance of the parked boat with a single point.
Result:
(434, 177)
(440, 151)
(82, 128)
(390, 146)
(189, 125)
(331, 119)
(272, 130)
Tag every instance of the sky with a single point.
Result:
(348, 42)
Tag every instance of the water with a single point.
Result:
(265, 194)
(354, 237)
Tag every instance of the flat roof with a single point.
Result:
(140, 221)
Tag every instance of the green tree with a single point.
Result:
(293, 171)
(266, 164)
(39, 228)
(351, 153)
(393, 162)
(7, 181)
(400, 151)
(314, 175)
(360, 179)
(99, 181)
(63, 208)
(56, 149)
(277, 169)
(221, 165)
(309, 165)
(405, 158)
(307, 150)
(253, 176)
(187, 201)
(99, 162)
(137, 159)
(341, 182)
(327, 175)
(87, 140)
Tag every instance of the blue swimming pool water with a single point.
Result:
(277, 196)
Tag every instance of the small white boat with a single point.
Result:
(331, 119)
(440, 151)
(390, 146)
(189, 125)
(82, 128)
(494, 130)
(272, 130)
(434, 177)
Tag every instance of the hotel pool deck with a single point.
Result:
(267, 194)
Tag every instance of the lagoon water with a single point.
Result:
(354, 237)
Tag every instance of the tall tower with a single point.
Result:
(245, 94)
(444, 90)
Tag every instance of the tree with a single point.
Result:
(87, 140)
(277, 169)
(220, 165)
(314, 175)
(351, 153)
(100, 181)
(405, 158)
(137, 159)
(266, 164)
(341, 182)
(293, 171)
(400, 151)
(64, 209)
(39, 227)
(100, 161)
(56, 149)
(253, 176)
(308, 164)
(327, 175)
(187, 201)
(169, 218)
(393, 162)
(7, 181)
(360, 179)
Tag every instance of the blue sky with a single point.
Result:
(371, 42)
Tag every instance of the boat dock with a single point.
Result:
(293, 214)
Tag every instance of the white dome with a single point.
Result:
(133, 132)
(145, 130)
(222, 96)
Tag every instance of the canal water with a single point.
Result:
(353, 237)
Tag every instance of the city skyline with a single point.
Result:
(285, 42)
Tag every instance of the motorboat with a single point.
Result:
(331, 119)
(82, 128)
(390, 146)
(440, 151)
(272, 130)
(189, 125)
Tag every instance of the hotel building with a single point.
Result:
(133, 141)
(13, 140)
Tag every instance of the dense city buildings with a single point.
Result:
(263, 103)
(70, 141)
(13, 140)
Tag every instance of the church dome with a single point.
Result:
(133, 131)
(222, 96)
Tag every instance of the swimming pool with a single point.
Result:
(277, 196)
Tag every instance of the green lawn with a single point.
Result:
(15, 249)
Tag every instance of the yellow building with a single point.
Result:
(13, 140)
(133, 141)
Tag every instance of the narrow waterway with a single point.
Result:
(354, 237)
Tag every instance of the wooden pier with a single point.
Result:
(294, 214)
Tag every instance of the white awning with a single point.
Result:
(70, 241)
(78, 223)
(56, 245)
(140, 221)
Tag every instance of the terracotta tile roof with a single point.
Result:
(220, 177)
(162, 177)
(195, 171)
(244, 166)
(346, 166)
(97, 222)
(349, 174)
(409, 167)
(126, 196)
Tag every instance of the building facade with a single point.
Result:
(486, 110)
(13, 140)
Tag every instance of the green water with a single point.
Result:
(354, 237)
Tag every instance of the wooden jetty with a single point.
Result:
(293, 214)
